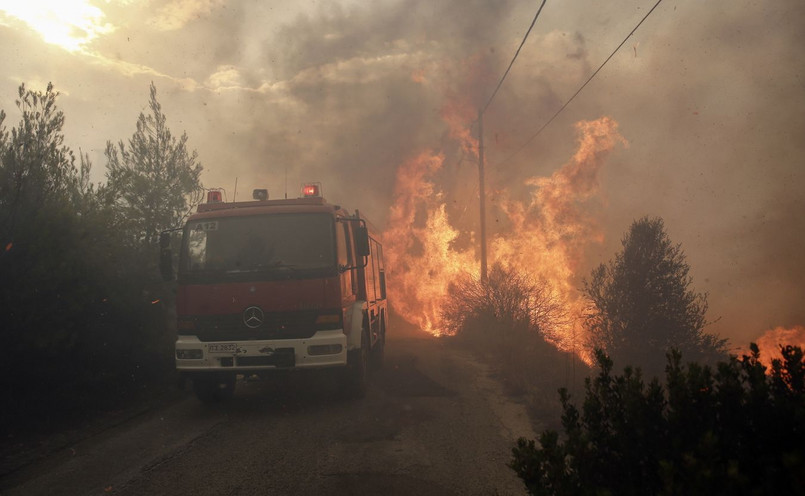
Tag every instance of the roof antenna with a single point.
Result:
(235, 194)
(286, 181)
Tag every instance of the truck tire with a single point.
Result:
(356, 373)
(212, 388)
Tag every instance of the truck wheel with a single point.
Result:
(214, 388)
(377, 354)
(356, 373)
(226, 386)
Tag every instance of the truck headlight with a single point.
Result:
(189, 354)
(324, 349)
(328, 321)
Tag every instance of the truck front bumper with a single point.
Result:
(323, 349)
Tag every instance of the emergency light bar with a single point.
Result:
(214, 196)
(311, 190)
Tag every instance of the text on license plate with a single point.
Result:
(222, 348)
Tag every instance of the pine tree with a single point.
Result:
(154, 178)
(35, 166)
(643, 305)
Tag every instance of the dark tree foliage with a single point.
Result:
(735, 429)
(35, 166)
(153, 179)
(642, 304)
(80, 329)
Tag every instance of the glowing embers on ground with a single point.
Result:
(545, 235)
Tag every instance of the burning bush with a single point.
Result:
(509, 302)
(732, 430)
(511, 319)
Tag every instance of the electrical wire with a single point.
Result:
(533, 136)
(514, 58)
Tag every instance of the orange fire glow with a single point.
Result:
(551, 231)
(545, 235)
(769, 342)
(421, 258)
(418, 76)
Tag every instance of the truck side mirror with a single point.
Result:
(362, 241)
(165, 256)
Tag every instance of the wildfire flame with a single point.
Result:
(421, 258)
(550, 232)
(546, 235)
(769, 342)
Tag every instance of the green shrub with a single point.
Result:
(732, 430)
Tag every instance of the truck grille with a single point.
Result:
(280, 325)
(283, 357)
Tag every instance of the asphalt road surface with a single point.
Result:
(432, 423)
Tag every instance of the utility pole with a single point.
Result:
(482, 193)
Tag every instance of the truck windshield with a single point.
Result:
(276, 243)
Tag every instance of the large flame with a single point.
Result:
(545, 235)
(551, 231)
(420, 255)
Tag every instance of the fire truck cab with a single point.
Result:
(277, 285)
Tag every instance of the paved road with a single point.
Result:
(432, 423)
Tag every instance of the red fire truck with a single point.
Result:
(277, 285)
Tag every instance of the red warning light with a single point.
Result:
(311, 190)
(214, 197)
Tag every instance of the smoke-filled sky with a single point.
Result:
(710, 97)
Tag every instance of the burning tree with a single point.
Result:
(642, 303)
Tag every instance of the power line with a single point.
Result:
(533, 136)
(514, 58)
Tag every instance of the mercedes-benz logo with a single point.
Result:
(253, 317)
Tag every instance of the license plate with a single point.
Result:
(222, 348)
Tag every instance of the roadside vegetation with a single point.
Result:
(509, 321)
(642, 304)
(736, 428)
(711, 424)
(85, 315)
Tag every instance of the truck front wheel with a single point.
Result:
(212, 388)
(355, 378)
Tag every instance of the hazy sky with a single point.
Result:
(710, 96)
